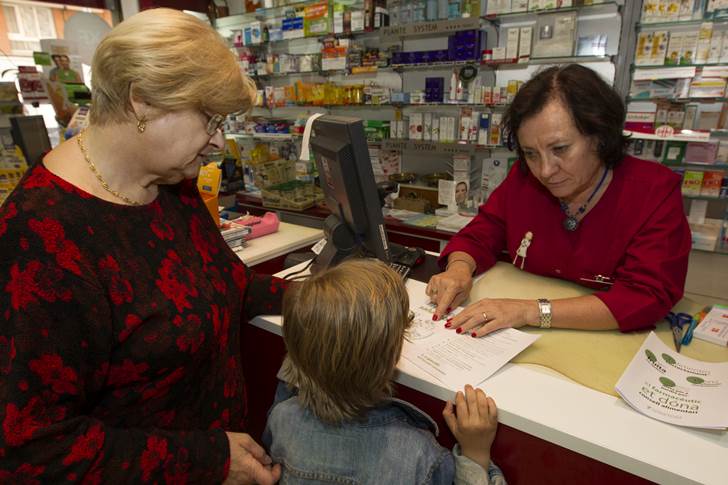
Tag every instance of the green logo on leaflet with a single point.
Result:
(668, 359)
(650, 356)
(695, 380)
(667, 382)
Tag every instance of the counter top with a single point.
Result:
(289, 237)
(576, 417)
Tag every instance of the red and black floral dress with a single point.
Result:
(119, 337)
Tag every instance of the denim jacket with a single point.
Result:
(393, 444)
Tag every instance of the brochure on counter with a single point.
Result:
(457, 359)
(665, 385)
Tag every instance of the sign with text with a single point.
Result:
(437, 27)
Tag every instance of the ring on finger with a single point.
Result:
(485, 317)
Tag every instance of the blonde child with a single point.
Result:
(336, 420)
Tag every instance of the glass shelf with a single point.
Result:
(663, 66)
(506, 16)
(668, 25)
(723, 251)
(702, 166)
(630, 99)
(491, 107)
(429, 65)
(704, 197)
(548, 60)
(264, 136)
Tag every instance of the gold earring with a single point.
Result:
(142, 124)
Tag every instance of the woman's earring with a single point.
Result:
(142, 124)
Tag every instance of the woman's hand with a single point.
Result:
(249, 462)
(488, 315)
(449, 289)
(474, 425)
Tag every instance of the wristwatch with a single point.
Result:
(544, 313)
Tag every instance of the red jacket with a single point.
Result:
(637, 235)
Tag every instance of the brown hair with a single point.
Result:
(173, 61)
(596, 108)
(344, 330)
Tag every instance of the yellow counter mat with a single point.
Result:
(595, 359)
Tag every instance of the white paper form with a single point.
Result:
(667, 386)
(457, 359)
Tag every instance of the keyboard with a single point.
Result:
(401, 269)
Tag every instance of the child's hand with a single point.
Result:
(474, 425)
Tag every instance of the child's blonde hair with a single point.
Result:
(344, 330)
(172, 61)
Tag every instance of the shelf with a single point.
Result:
(700, 136)
(681, 23)
(676, 100)
(704, 197)
(390, 105)
(495, 18)
(430, 65)
(264, 136)
(713, 251)
(699, 166)
(547, 60)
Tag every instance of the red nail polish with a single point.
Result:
(459, 330)
(435, 318)
(449, 309)
(474, 335)
(447, 325)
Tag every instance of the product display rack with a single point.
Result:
(420, 156)
(670, 59)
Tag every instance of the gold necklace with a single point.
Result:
(101, 180)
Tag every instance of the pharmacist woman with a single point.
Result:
(120, 304)
(574, 207)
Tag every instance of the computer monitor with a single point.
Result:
(30, 134)
(356, 225)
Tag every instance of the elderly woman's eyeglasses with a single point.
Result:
(214, 123)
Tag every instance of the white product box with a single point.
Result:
(519, 5)
(512, 43)
(499, 53)
(716, 48)
(689, 47)
(724, 50)
(415, 126)
(704, 37)
(714, 327)
(357, 20)
(524, 44)
(427, 126)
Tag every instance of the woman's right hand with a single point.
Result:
(249, 462)
(449, 289)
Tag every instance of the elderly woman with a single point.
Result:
(575, 208)
(121, 303)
